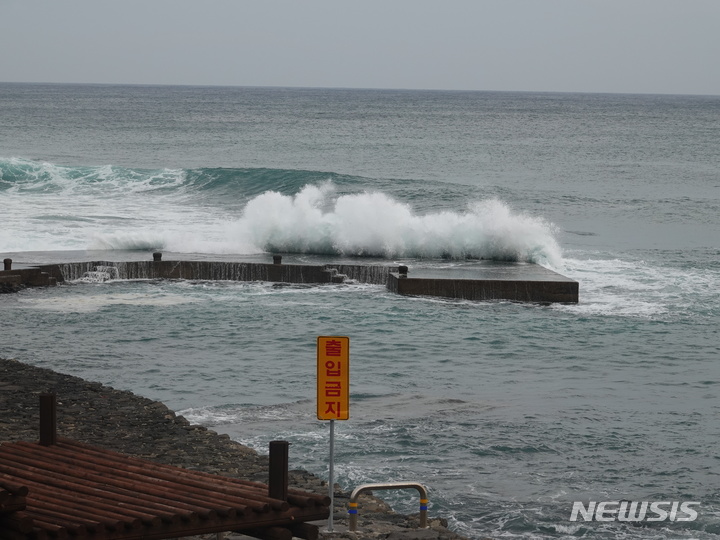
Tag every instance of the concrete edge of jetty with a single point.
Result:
(485, 281)
(118, 420)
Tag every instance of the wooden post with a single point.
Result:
(48, 419)
(278, 483)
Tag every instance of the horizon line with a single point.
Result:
(351, 88)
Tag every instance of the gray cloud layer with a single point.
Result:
(645, 46)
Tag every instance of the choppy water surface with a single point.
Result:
(508, 412)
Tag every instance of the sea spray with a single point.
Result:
(317, 221)
(369, 224)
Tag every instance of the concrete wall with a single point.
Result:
(26, 277)
(470, 289)
(229, 271)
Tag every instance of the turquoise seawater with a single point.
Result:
(508, 412)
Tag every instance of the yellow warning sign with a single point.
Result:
(333, 378)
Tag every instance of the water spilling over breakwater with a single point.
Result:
(218, 271)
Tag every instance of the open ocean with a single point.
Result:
(508, 412)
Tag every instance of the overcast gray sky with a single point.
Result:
(636, 46)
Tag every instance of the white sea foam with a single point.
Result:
(93, 303)
(635, 288)
(218, 416)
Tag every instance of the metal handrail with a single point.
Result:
(353, 505)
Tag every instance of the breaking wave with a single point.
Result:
(376, 225)
(250, 211)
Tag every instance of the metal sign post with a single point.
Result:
(333, 394)
(331, 476)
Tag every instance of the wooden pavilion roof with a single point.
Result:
(72, 490)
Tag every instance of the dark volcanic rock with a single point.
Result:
(117, 420)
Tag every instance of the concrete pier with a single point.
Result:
(477, 280)
(520, 282)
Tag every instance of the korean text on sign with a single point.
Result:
(333, 378)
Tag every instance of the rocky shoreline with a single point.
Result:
(124, 422)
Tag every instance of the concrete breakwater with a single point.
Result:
(520, 282)
(484, 280)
